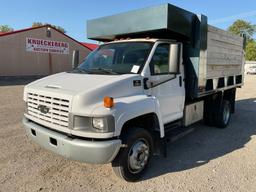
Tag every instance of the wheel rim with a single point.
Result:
(138, 156)
(226, 114)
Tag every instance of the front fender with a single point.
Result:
(128, 108)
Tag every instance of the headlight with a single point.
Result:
(94, 124)
(103, 124)
(99, 123)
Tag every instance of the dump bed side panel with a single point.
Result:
(224, 53)
(217, 67)
(224, 64)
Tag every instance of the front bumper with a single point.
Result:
(98, 152)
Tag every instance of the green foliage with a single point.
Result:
(240, 25)
(5, 28)
(251, 50)
(38, 24)
(59, 28)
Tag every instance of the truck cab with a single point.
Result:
(81, 114)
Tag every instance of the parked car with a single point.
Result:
(251, 70)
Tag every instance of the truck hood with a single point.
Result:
(71, 83)
(86, 90)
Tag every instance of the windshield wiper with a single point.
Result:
(109, 71)
(80, 70)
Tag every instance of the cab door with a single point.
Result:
(167, 80)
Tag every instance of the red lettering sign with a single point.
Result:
(46, 46)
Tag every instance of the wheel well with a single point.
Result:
(213, 102)
(230, 95)
(147, 121)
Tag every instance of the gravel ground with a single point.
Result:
(208, 159)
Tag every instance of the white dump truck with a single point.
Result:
(158, 70)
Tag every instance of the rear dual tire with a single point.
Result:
(221, 117)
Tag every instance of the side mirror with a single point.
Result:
(174, 59)
(75, 59)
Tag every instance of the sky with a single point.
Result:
(72, 15)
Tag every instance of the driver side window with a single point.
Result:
(160, 60)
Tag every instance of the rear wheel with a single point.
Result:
(132, 160)
(223, 117)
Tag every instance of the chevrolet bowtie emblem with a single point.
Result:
(43, 109)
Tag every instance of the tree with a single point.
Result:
(5, 28)
(38, 24)
(240, 25)
(250, 54)
(59, 28)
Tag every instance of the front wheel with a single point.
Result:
(132, 160)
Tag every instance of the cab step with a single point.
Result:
(173, 135)
(178, 133)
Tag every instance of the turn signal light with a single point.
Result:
(108, 102)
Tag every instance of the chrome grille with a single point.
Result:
(58, 109)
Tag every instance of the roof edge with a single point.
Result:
(23, 30)
(47, 25)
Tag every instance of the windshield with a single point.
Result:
(116, 58)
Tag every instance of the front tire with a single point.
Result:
(133, 159)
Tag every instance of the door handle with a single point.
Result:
(180, 81)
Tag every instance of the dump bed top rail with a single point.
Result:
(147, 22)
